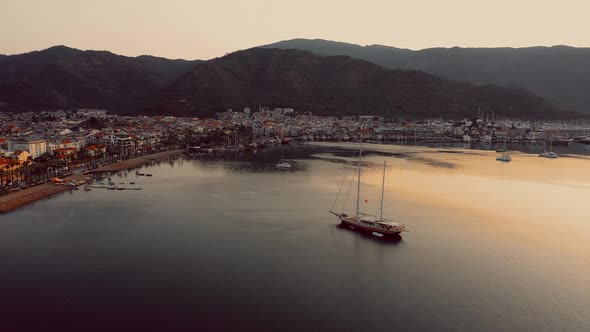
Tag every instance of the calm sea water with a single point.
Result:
(229, 242)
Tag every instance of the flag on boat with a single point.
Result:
(366, 201)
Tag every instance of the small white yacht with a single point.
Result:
(283, 164)
(504, 157)
(550, 154)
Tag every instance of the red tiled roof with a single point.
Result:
(64, 150)
(5, 161)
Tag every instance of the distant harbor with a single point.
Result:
(92, 141)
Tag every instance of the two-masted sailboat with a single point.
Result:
(548, 154)
(367, 222)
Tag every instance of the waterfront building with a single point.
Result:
(95, 150)
(35, 147)
(119, 142)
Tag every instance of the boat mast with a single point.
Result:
(382, 189)
(545, 144)
(358, 189)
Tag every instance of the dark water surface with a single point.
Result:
(229, 242)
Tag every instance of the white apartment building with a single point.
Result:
(122, 142)
(35, 147)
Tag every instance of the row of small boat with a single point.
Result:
(505, 157)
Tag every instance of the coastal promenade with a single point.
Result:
(27, 196)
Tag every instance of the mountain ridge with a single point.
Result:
(559, 73)
(332, 85)
(62, 77)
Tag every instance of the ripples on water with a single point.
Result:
(229, 242)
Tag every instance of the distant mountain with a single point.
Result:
(65, 77)
(333, 85)
(560, 73)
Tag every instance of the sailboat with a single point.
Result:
(367, 222)
(550, 154)
(503, 148)
(505, 157)
(283, 164)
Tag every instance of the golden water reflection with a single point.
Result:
(538, 205)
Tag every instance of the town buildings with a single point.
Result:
(86, 133)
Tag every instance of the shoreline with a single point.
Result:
(134, 162)
(18, 199)
(573, 151)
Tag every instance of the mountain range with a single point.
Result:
(275, 76)
(333, 85)
(62, 77)
(560, 74)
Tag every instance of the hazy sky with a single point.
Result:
(196, 29)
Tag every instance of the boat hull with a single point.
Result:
(366, 228)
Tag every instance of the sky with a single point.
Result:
(196, 29)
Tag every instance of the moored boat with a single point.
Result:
(505, 157)
(366, 222)
(283, 165)
(550, 155)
